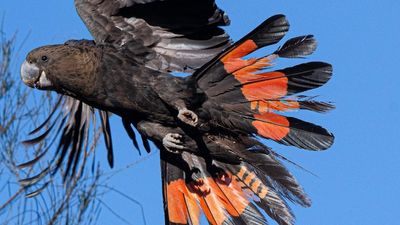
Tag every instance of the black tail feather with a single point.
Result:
(297, 47)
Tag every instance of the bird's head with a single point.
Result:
(62, 68)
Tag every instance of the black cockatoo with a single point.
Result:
(205, 125)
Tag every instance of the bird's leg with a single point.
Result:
(194, 178)
(193, 173)
(217, 172)
(171, 140)
(173, 143)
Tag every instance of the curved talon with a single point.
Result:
(188, 117)
(200, 187)
(224, 178)
(216, 171)
(172, 142)
(194, 175)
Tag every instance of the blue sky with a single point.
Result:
(358, 178)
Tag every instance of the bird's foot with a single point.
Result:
(172, 142)
(188, 117)
(194, 175)
(196, 182)
(219, 174)
(223, 177)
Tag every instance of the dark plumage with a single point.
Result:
(204, 124)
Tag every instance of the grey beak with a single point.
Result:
(29, 73)
(31, 76)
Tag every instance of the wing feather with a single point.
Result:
(176, 30)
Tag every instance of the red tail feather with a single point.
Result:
(272, 126)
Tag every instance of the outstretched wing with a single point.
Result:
(71, 122)
(180, 35)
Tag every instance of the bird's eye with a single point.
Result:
(45, 58)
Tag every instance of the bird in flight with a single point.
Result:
(206, 125)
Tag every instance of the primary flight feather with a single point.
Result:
(206, 124)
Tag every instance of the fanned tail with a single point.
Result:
(243, 96)
(229, 193)
(220, 198)
(244, 99)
